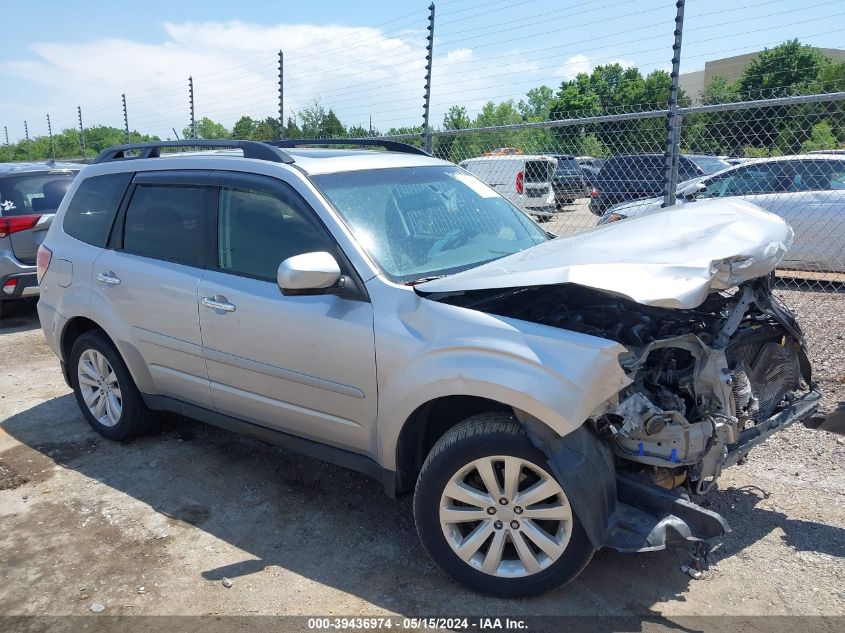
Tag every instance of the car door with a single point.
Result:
(146, 280)
(299, 364)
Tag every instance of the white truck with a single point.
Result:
(524, 179)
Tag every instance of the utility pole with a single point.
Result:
(673, 119)
(50, 134)
(281, 95)
(191, 103)
(8, 147)
(125, 118)
(26, 136)
(428, 57)
(81, 130)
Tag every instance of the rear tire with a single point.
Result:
(500, 546)
(104, 389)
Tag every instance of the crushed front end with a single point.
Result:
(708, 384)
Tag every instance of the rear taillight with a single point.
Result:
(16, 223)
(9, 286)
(42, 261)
(594, 193)
(520, 177)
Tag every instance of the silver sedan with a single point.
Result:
(808, 191)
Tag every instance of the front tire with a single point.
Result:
(491, 514)
(104, 389)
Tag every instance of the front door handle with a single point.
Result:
(108, 278)
(218, 302)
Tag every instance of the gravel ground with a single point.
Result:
(153, 526)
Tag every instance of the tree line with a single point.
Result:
(786, 70)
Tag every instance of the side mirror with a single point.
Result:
(691, 192)
(308, 274)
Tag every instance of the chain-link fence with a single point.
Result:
(578, 172)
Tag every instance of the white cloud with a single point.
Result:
(356, 71)
(581, 63)
(574, 66)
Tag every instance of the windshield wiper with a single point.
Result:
(422, 280)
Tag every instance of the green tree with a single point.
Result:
(821, 137)
(538, 104)
(207, 129)
(266, 130)
(292, 129)
(311, 119)
(331, 126)
(244, 127)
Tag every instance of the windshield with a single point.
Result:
(565, 164)
(709, 164)
(33, 193)
(418, 222)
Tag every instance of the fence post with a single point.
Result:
(26, 136)
(125, 119)
(428, 59)
(81, 130)
(50, 134)
(191, 103)
(673, 119)
(281, 95)
(8, 147)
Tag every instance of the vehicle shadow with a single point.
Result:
(336, 527)
(19, 316)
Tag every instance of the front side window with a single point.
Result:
(167, 222)
(34, 193)
(90, 214)
(745, 181)
(416, 222)
(259, 229)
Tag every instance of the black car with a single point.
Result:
(590, 167)
(634, 176)
(568, 181)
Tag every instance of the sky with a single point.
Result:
(363, 59)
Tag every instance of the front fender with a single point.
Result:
(556, 376)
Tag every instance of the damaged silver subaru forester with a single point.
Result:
(542, 397)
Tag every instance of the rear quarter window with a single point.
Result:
(90, 214)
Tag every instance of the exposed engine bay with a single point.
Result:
(708, 384)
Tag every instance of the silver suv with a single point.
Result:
(30, 193)
(541, 397)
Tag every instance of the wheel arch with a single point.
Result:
(79, 325)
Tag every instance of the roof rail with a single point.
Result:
(390, 146)
(152, 149)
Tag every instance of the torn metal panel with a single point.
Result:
(671, 259)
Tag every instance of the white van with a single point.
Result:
(525, 180)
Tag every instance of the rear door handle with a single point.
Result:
(108, 278)
(218, 303)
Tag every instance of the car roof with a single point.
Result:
(513, 157)
(311, 161)
(15, 169)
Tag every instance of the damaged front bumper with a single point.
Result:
(627, 512)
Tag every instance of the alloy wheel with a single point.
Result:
(505, 516)
(99, 387)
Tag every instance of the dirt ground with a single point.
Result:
(153, 526)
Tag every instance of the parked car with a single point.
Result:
(568, 182)
(590, 167)
(807, 191)
(388, 311)
(524, 180)
(634, 176)
(30, 193)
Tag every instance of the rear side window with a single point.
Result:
(167, 222)
(90, 214)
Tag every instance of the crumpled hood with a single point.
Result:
(670, 259)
